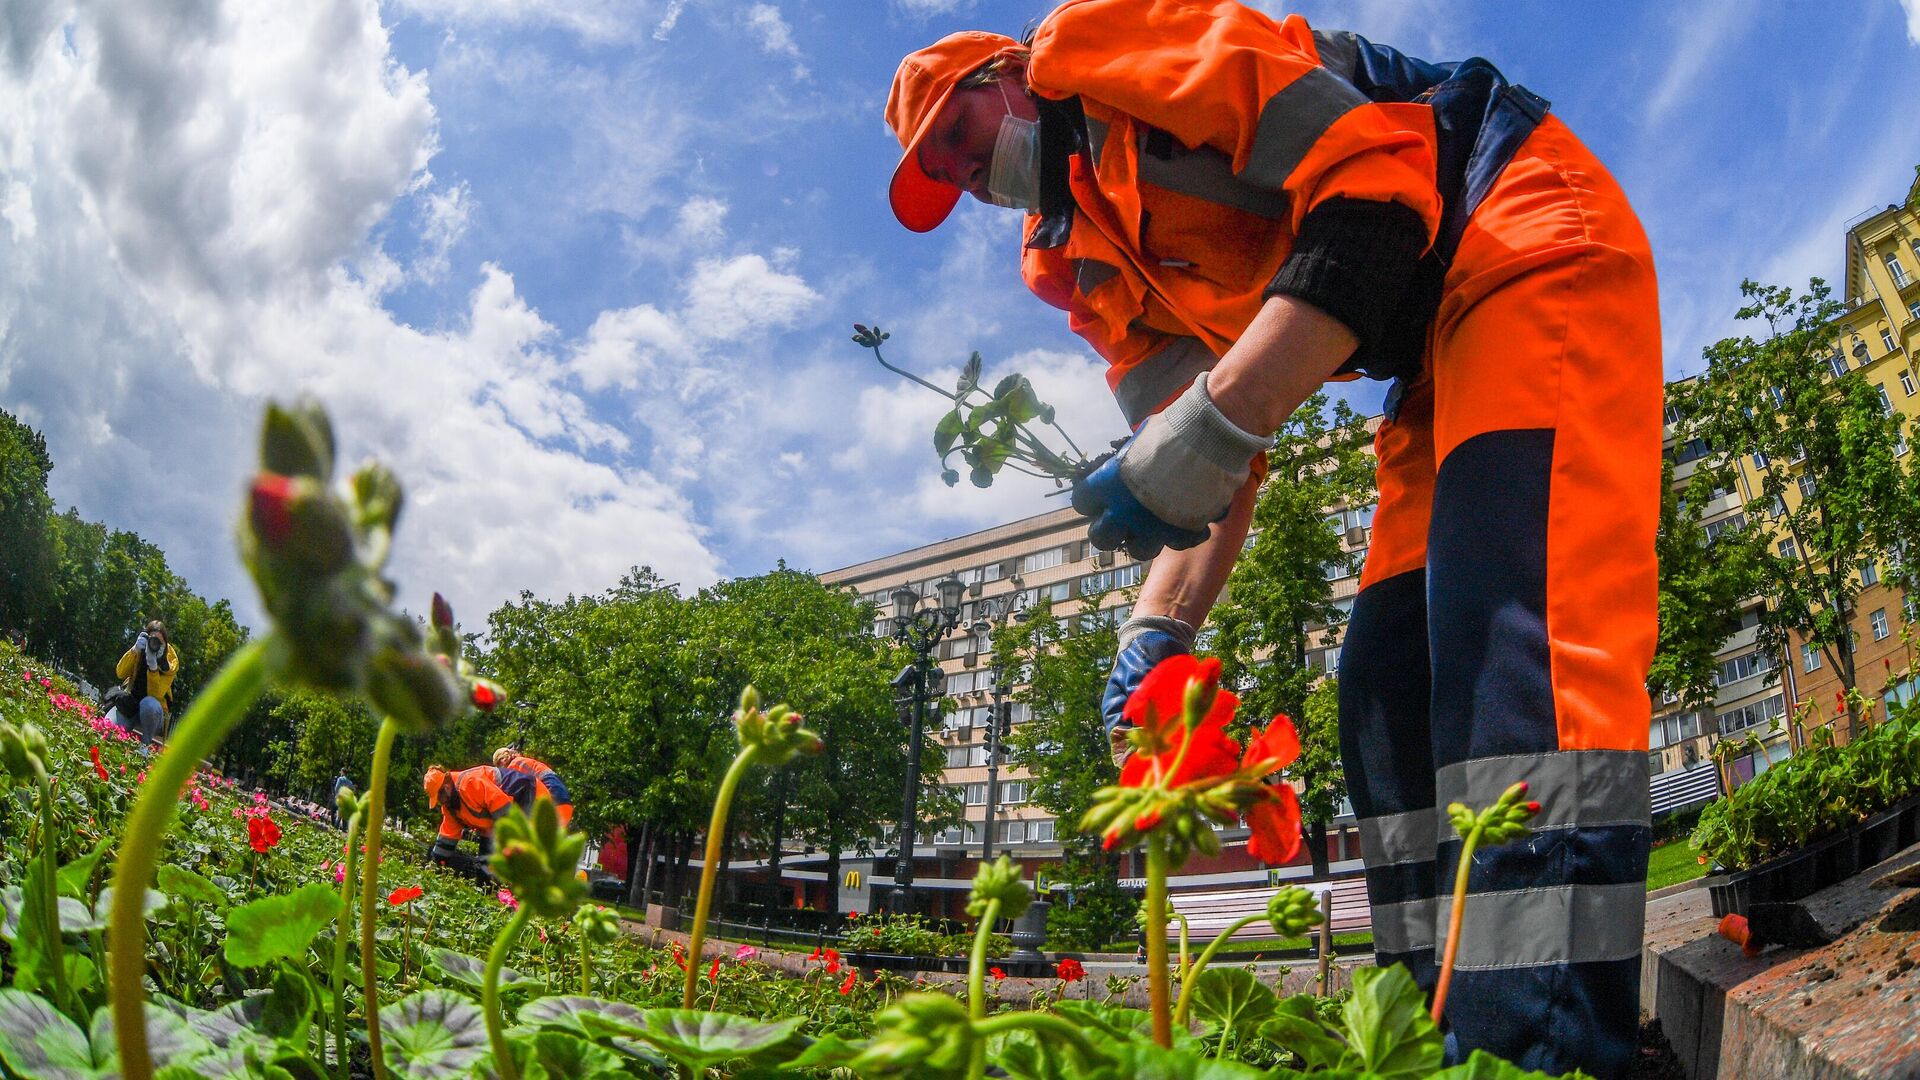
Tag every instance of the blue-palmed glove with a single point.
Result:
(1145, 640)
(1171, 480)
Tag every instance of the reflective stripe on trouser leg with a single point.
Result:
(1384, 697)
(1542, 597)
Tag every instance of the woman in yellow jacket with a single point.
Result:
(148, 669)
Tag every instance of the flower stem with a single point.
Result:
(369, 889)
(710, 867)
(977, 986)
(341, 929)
(1157, 990)
(1190, 975)
(586, 967)
(50, 855)
(503, 1063)
(215, 710)
(1454, 920)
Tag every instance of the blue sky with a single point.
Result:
(584, 272)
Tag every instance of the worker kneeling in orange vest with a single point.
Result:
(1231, 211)
(473, 799)
(543, 774)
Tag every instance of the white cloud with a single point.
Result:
(1700, 33)
(669, 19)
(925, 9)
(702, 220)
(767, 26)
(1912, 9)
(593, 20)
(205, 186)
(444, 217)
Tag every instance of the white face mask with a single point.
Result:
(1013, 177)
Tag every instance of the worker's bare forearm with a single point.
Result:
(1287, 352)
(1185, 584)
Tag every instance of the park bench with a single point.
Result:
(1208, 913)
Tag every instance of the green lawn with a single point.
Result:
(1672, 863)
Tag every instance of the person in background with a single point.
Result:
(340, 783)
(148, 670)
(473, 799)
(543, 773)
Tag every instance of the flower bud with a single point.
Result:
(346, 803)
(417, 691)
(999, 880)
(23, 752)
(442, 613)
(774, 736)
(376, 497)
(296, 521)
(536, 858)
(297, 440)
(1293, 911)
(918, 1035)
(599, 925)
(1200, 696)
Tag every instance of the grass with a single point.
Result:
(1672, 863)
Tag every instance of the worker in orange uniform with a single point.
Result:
(473, 799)
(543, 774)
(1232, 211)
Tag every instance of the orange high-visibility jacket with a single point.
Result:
(1211, 132)
(480, 796)
(549, 780)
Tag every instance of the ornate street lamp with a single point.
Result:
(990, 614)
(920, 629)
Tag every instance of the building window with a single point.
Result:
(1906, 377)
(1878, 620)
(976, 794)
(977, 755)
(1789, 549)
(1837, 363)
(1746, 716)
(1869, 573)
(1096, 583)
(956, 757)
(1126, 577)
(1043, 560)
(1013, 832)
(1899, 272)
(1809, 658)
(1886, 339)
(1886, 403)
(1779, 507)
(1013, 791)
(1691, 450)
(1744, 666)
(1673, 415)
(1807, 486)
(1730, 523)
(1759, 460)
(1040, 832)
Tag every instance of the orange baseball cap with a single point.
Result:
(922, 85)
(435, 779)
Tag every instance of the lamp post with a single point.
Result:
(920, 629)
(994, 613)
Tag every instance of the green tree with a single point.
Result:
(1280, 593)
(1835, 493)
(1060, 664)
(26, 574)
(1705, 586)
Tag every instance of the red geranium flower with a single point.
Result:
(99, 769)
(997, 974)
(1735, 929)
(404, 894)
(484, 697)
(853, 976)
(713, 973)
(1070, 970)
(262, 834)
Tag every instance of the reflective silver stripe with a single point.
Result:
(1565, 924)
(1405, 926)
(1161, 376)
(1339, 51)
(1206, 173)
(1407, 837)
(1574, 787)
(1096, 138)
(1090, 274)
(1293, 120)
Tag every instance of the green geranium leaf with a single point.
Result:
(433, 1034)
(1023, 1056)
(1481, 1065)
(827, 1052)
(565, 1057)
(969, 376)
(1145, 1061)
(36, 931)
(36, 1040)
(103, 908)
(1296, 1026)
(279, 927)
(257, 1021)
(183, 884)
(566, 1012)
(168, 1039)
(1023, 404)
(232, 1063)
(1231, 999)
(1388, 1026)
(1006, 386)
(700, 1039)
(1119, 1023)
(947, 432)
(468, 970)
(75, 876)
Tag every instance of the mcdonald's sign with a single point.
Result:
(852, 880)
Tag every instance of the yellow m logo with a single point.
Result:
(853, 879)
